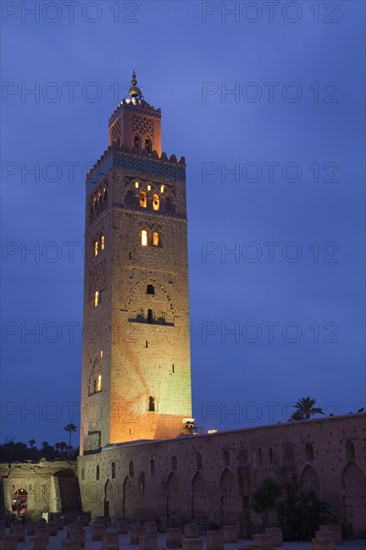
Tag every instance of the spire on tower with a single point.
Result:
(134, 90)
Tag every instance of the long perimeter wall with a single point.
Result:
(211, 477)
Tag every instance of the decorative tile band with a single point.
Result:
(134, 163)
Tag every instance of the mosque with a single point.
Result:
(139, 454)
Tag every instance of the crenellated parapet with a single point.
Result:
(137, 106)
(136, 161)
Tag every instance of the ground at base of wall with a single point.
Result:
(55, 543)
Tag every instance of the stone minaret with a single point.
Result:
(136, 379)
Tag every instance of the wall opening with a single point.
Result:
(350, 450)
(309, 452)
(19, 502)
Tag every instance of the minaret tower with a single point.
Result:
(136, 381)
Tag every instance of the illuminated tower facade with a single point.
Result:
(136, 381)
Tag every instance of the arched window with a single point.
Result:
(83, 474)
(96, 299)
(156, 202)
(150, 289)
(137, 184)
(96, 248)
(174, 463)
(113, 472)
(149, 316)
(144, 237)
(148, 144)
(136, 141)
(258, 457)
(131, 469)
(99, 382)
(102, 242)
(270, 455)
(350, 450)
(143, 201)
(309, 452)
(168, 204)
(199, 461)
(226, 457)
(20, 501)
(104, 198)
(130, 197)
(155, 238)
(152, 467)
(151, 404)
(97, 472)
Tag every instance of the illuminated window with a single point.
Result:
(96, 300)
(99, 383)
(101, 354)
(156, 202)
(102, 242)
(150, 289)
(144, 237)
(143, 199)
(96, 248)
(137, 184)
(155, 238)
(162, 189)
(151, 404)
(149, 187)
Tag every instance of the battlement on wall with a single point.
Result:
(141, 107)
(136, 161)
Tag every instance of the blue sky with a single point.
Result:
(293, 211)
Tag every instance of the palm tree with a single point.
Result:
(45, 444)
(31, 443)
(70, 428)
(62, 446)
(305, 409)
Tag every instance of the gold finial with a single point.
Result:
(134, 91)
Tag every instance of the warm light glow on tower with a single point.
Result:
(136, 203)
(144, 237)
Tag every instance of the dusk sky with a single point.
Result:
(266, 102)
